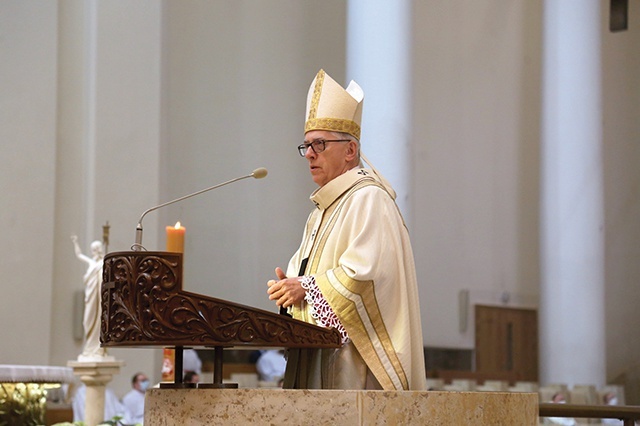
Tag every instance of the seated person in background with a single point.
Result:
(271, 365)
(191, 377)
(558, 398)
(610, 398)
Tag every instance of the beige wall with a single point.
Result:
(188, 94)
(27, 177)
(475, 163)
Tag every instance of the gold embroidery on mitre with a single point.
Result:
(333, 125)
(315, 100)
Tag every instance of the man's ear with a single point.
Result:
(352, 150)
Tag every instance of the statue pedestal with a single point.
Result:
(95, 375)
(344, 407)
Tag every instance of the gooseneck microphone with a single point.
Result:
(258, 173)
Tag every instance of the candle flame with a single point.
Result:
(177, 225)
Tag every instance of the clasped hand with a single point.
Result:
(285, 291)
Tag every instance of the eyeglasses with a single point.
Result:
(317, 146)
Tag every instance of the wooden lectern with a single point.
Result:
(143, 304)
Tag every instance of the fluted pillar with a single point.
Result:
(572, 344)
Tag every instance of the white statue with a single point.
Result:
(92, 310)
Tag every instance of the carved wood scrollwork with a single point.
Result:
(143, 304)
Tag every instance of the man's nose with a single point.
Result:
(310, 153)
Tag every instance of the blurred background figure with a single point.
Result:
(191, 361)
(559, 398)
(134, 399)
(191, 377)
(271, 365)
(610, 398)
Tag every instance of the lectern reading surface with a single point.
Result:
(143, 304)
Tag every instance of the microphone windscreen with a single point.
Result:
(259, 173)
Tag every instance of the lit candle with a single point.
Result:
(175, 244)
(175, 238)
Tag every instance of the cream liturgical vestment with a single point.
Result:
(360, 257)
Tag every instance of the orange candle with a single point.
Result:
(175, 244)
(175, 238)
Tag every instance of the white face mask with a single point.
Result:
(613, 401)
(144, 385)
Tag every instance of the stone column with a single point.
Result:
(572, 344)
(378, 58)
(95, 376)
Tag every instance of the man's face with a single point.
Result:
(141, 383)
(330, 163)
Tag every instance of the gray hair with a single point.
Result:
(343, 135)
